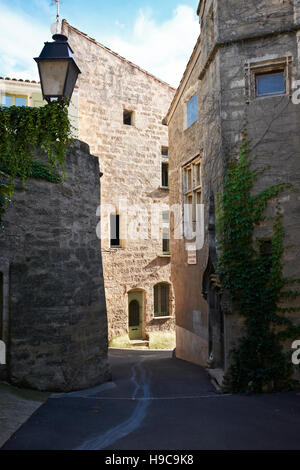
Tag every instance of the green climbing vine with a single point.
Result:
(255, 282)
(25, 131)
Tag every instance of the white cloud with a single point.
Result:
(21, 39)
(162, 49)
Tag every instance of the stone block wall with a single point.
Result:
(130, 158)
(55, 313)
(234, 34)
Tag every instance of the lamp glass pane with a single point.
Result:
(53, 76)
(71, 79)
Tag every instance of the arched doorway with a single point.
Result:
(135, 315)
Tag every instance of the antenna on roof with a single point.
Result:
(56, 27)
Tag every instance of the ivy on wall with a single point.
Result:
(255, 282)
(23, 130)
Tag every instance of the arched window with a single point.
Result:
(162, 300)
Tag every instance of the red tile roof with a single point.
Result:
(18, 80)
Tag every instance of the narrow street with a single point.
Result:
(157, 402)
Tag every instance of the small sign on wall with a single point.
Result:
(192, 254)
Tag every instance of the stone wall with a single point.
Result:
(130, 158)
(191, 309)
(232, 37)
(55, 314)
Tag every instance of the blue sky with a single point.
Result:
(158, 35)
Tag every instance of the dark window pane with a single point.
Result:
(127, 118)
(20, 101)
(165, 175)
(156, 311)
(270, 84)
(166, 245)
(192, 110)
(161, 300)
(165, 152)
(114, 230)
(164, 299)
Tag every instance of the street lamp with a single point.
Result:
(57, 69)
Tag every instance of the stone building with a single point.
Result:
(243, 71)
(121, 112)
(52, 301)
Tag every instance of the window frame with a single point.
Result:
(165, 229)
(163, 166)
(14, 97)
(253, 69)
(188, 100)
(164, 163)
(118, 232)
(132, 117)
(159, 313)
(269, 73)
(192, 191)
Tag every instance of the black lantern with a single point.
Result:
(58, 69)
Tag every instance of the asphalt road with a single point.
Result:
(156, 402)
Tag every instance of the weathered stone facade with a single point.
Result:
(53, 310)
(130, 157)
(237, 41)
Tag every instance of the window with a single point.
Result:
(192, 110)
(115, 241)
(165, 175)
(164, 167)
(192, 196)
(128, 118)
(166, 233)
(162, 300)
(165, 152)
(268, 78)
(14, 100)
(270, 83)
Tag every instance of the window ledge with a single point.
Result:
(112, 249)
(270, 95)
(166, 188)
(163, 255)
(168, 317)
